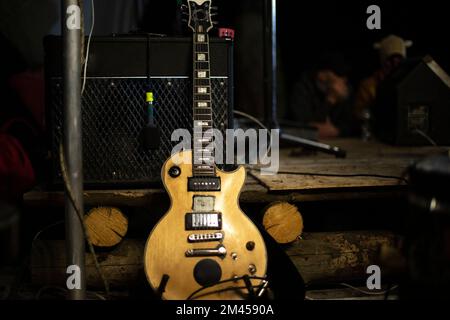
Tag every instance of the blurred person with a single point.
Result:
(392, 51)
(322, 98)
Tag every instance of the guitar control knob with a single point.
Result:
(250, 245)
(252, 268)
(174, 171)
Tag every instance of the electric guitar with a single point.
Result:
(204, 247)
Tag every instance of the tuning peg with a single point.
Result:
(214, 14)
(214, 8)
(184, 20)
(215, 23)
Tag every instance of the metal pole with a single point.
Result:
(75, 251)
(270, 63)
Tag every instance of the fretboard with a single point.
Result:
(203, 153)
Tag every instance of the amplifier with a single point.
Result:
(114, 110)
(412, 106)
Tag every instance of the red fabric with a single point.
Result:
(16, 172)
(29, 86)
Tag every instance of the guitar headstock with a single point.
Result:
(200, 15)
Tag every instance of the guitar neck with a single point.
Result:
(203, 152)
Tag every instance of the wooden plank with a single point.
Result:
(357, 148)
(304, 179)
(345, 293)
(131, 197)
(330, 257)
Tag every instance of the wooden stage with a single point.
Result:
(328, 257)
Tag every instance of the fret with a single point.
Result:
(202, 82)
(204, 150)
(203, 114)
(196, 100)
(202, 123)
(202, 117)
(201, 47)
(208, 159)
(202, 110)
(202, 133)
(202, 65)
(203, 173)
(204, 167)
(206, 135)
(201, 96)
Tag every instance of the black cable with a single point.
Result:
(225, 281)
(401, 178)
(147, 64)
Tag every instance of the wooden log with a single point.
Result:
(338, 256)
(122, 266)
(330, 257)
(106, 226)
(283, 222)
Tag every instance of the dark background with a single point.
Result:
(305, 30)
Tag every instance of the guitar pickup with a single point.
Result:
(204, 184)
(204, 237)
(219, 251)
(203, 221)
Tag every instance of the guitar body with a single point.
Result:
(167, 244)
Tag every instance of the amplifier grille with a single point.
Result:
(113, 115)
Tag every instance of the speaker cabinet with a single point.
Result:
(114, 110)
(414, 104)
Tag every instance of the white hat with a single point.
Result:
(391, 45)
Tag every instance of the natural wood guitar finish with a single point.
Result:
(167, 243)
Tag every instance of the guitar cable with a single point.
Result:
(150, 135)
(401, 178)
(261, 286)
(80, 215)
(86, 59)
